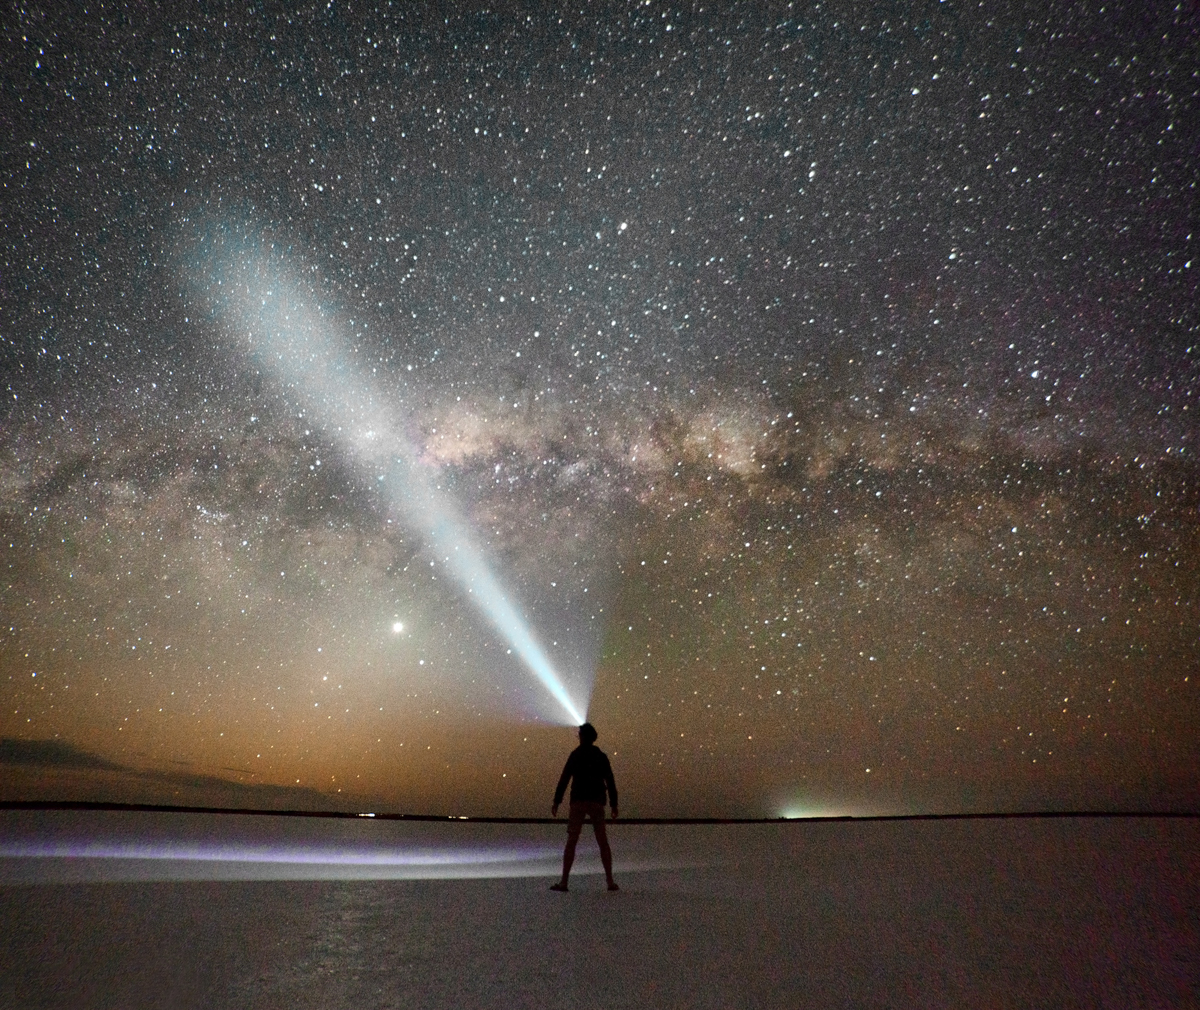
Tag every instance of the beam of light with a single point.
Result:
(298, 343)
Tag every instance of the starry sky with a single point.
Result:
(819, 381)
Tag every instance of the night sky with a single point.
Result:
(820, 382)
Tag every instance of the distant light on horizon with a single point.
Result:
(802, 812)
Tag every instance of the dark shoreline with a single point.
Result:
(35, 805)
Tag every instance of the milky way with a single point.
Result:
(819, 381)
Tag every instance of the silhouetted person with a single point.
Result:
(591, 780)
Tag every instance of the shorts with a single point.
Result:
(585, 811)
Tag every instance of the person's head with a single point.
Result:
(587, 733)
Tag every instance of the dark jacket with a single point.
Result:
(589, 768)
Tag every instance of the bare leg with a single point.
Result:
(568, 857)
(605, 851)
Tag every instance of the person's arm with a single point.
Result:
(612, 786)
(563, 779)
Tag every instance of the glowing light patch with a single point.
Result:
(298, 343)
(127, 860)
(397, 627)
(118, 857)
(194, 852)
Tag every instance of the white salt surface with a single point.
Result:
(137, 910)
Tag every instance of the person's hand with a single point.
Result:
(615, 815)
(554, 810)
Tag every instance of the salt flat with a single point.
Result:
(173, 910)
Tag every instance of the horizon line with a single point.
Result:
(102, 806)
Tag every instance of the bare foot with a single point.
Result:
(612, 885)
(560, 886)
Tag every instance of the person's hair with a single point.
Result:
(587, 733)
